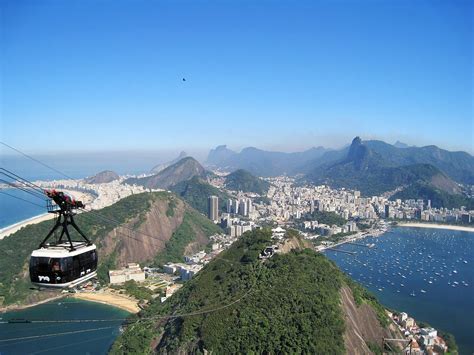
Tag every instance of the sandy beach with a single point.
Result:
(17, 226)
(437, 226)
(109, 299)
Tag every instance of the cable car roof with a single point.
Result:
(61, 250)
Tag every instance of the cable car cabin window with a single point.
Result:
(40, 264)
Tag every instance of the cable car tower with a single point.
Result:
(63, 263)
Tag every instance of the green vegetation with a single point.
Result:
(196, 192)
(329, 218)
(133, 289)
(438, 197)
(289, 304)
(171, 207)
(185, 234)
(242, 180)
(362, 295)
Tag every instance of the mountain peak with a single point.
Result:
(399, 144)
(358, 153)
(356, 141)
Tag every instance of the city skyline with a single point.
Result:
(285, 77)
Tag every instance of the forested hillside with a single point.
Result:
(239, 304)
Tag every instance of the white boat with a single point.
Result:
(423, 291)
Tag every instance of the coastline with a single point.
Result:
(78, 195)
(109, 299)
(436, 226)
(6, 231)
(16, 307)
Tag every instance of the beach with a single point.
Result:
(4, 232)
(436, 226)
(110, 299)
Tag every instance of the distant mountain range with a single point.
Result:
(260, 162)
(371, 166)
(363, 168)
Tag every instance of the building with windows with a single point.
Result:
(133, 271)
(213, 208)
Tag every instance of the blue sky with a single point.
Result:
(107, 75)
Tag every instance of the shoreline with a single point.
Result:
(436, 226)
(15, 227)
(6, 231)
(109, 299)
(16, 307)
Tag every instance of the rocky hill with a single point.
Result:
(183, 170)
(102, 177)
(242, 180)
(156, 169)
(163, 226)
(298, 302)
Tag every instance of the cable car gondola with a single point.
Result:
(63, 263)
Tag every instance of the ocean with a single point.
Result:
(428, 273)
(61, 338)
(14, 210)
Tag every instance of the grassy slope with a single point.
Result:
(291, 304)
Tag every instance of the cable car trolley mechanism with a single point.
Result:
(63, 262)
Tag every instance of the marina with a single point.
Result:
(425, 272)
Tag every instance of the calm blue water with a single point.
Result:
(13, 210)
(80, 338)
(408, 260)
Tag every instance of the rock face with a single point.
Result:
(151, 236)
(153, 229)
(362, 326)
(183, 170)
(103, 177)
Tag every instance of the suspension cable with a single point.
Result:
(24, 189)
(19, 198)
(36, 160)
(29, 183)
